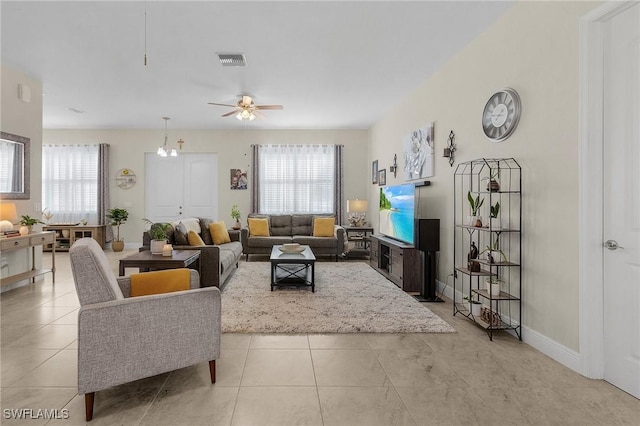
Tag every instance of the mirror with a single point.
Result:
(14, 167)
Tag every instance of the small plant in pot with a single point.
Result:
(475, 307)
(475, 204)
(27, 223)
(158, 234)
(235, 214)
(493, 287)
(494, 220)
(493, 184)
(494, 254)
(116, 218)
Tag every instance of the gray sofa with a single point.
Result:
(217, 262)
(293, 228)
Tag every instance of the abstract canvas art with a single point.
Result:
(418, 153)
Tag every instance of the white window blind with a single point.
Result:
(70, 182)
(296, 179)
(7, 154)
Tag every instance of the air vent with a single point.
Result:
(232, 59)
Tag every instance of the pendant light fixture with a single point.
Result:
(164, 149)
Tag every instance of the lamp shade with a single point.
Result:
(8, 215)
(357, 206)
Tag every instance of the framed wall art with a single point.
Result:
(238, 179)
(418, 153)
(382, 177)
(374, 172)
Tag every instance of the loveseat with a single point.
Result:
(292, 228)
(218, 262)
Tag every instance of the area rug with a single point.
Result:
(350, 297)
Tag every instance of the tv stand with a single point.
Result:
(397, 261)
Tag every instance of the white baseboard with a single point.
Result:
(558, 352)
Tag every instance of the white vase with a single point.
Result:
(472, 220)
(476, 309)
(157, 246)
(24, 230)
(493, 288)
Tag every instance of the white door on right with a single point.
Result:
(621, 227)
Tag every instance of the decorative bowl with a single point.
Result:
(291, 248)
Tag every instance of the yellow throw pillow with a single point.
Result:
(258, 227)
(194, 239)
(158, 282)
(323, 226)
(219, 232)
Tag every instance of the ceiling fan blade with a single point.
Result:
(235, 111)
(269, 107)
(259, 115)
(225, 105)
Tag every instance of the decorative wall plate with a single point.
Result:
(125, 178)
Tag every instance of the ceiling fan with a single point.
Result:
(245, 109)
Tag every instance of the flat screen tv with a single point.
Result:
(397, 210)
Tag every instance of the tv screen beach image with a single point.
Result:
(397, 205)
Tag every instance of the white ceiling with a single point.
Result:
(331, 64)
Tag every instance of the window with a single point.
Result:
(296, 179)
(70, 182)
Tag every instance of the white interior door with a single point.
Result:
(621, 210)
(181, 187)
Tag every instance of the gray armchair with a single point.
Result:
(122, 339)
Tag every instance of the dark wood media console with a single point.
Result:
(398, 261)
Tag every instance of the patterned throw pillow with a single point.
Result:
(181, 234)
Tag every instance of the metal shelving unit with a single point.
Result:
(502, 311)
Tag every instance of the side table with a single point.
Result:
(146, 261)
(358, 241)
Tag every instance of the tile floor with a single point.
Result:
(358, 379)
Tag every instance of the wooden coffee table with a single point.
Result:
(146, 261)
(293, 269)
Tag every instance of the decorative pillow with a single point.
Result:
(181, 234)
(205, 232)
(194, 239)
(192, 224)
(258, 227)
(323, 226)
(157, 282)
(219, 232)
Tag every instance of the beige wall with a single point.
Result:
(234, 151)
(24, 119)
(533, 48)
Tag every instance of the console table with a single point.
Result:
(400, 262)
(25, 242)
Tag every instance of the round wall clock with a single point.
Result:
(125, 178)
(501, 115)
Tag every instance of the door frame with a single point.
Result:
(591, 187)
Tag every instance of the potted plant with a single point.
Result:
(493, 252)
(494, 220)
(475, 307)
(116, 218)
(158, 234)
(235, 214)
(27, 223)
(493, 185)
(475, 204)
(493, 287)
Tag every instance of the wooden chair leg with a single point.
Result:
(88, 405)
(212, 370)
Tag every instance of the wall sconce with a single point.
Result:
(394, 167)
(450, 149)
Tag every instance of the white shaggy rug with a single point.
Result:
(349, 297)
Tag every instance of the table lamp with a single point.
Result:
(8, 216)
(357, 212)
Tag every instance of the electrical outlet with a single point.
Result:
(127, 204)
(37, 207)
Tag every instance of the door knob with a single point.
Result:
(612, 245)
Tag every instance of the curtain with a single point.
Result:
(338, 193)
(70, 182)
(255, 178)
(104, 200)
(297, 179)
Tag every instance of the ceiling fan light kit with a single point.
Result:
(246, 109)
